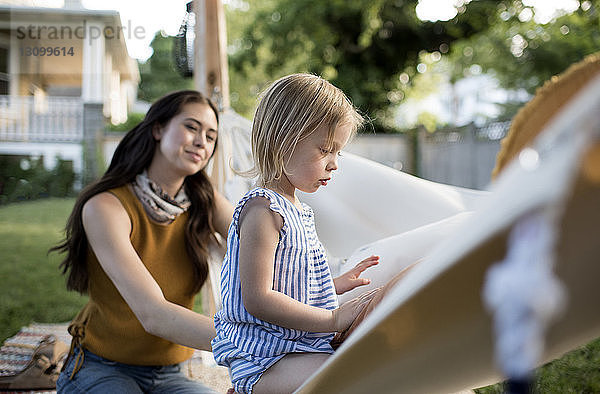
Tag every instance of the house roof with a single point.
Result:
(57, 11)
(13, 16)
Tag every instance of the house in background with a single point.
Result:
(64, 73)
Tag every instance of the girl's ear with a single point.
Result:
(157, 132)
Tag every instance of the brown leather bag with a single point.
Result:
(42, 370)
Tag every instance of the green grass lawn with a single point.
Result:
(577, 372)
(33, 290)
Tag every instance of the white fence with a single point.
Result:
(43, 119)
(392, 150)
(463, 156)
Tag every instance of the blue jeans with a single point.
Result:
(99, 375)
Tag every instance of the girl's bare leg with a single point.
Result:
(289, 373)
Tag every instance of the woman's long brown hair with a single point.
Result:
(134, 154)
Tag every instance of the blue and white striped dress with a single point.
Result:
(247, 345)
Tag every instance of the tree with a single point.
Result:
(361, 46)
(158, 74)
(523, 54)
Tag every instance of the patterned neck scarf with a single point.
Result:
(158, 204)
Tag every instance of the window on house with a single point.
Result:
(3, 71)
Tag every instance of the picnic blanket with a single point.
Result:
(17, 350)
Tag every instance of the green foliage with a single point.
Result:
(33, 290)
(361, 46)
(365, 46)
(522, 54)
(428, 120)
(25, 178)
(246, 78)
(133, 119)
(158, 74)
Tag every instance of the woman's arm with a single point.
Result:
(223, 214)
(107, 227)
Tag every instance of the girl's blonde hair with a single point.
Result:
(290, 109)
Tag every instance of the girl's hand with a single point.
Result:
(344, 315)
(351, 279)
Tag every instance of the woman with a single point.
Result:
(137, 243)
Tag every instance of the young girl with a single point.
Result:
(280, 309)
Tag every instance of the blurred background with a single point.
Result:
(440, 81)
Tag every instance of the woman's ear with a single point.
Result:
(157, 132)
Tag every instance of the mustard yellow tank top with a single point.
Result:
(107, 326)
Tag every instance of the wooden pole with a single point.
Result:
(199, 8)
(211, 75)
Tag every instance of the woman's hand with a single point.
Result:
(344, 315)
(351, 279)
